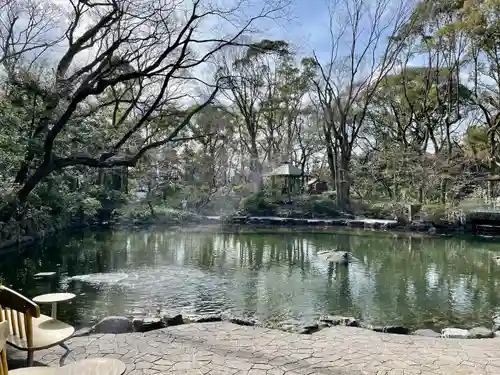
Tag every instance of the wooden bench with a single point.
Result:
(30, 330)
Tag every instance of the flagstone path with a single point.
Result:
(225, 348)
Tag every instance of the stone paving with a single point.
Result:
(225, 348)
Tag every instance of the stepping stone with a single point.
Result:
(39, 275)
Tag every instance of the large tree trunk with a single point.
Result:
(255, 166)
(331, 162)
(331, 155)
(420, 199)
(443, 189)
(344, 183)
(492, 164)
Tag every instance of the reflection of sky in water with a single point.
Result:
(399, 280)
(461, 297)
(432, 277)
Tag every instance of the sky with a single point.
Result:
(305, 24)
(307, 28)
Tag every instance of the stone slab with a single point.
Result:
(40, 275)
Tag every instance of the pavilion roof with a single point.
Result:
(286, 169)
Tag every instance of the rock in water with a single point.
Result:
(480, 333)
(339, 257)
(114, 324)
(454, 333)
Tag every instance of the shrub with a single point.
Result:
(319, 206)
(434, 213)
(385, 211)
(259, 204)
(157, 213)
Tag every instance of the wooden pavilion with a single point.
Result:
(286, 179)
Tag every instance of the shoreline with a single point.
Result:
(145, 323)
(270, 224)
(262, 224)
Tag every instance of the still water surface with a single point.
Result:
(416, 282)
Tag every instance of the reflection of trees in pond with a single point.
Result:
(206, 252)
(413, 280)
(437, 274)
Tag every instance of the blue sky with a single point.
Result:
(306, 28)
(308, 24)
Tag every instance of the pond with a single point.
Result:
(417, 282)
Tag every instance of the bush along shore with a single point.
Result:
(27, 232)
(122, 324)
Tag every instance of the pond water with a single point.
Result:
(413, 281)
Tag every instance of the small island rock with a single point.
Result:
(338, 257)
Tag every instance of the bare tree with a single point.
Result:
(244, 83)
(250, 86)
(141, 51)
(363, 51)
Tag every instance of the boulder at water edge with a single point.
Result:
(454, 333)
(336, 320)
(244, 321)
(480, 333)
(308, 329)
(114, 324)
(392, 329)
(496, 323)
(204, 318)
(426, 332)
(170, 321)
(147, 324)
(297, 326)
(85, 331)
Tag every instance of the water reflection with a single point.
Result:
(418, 282)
